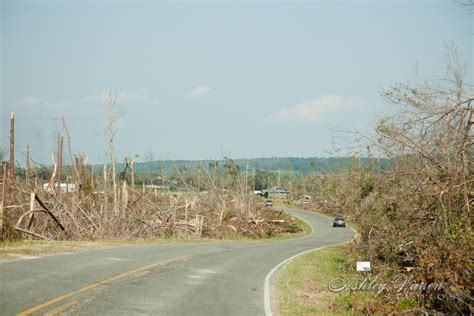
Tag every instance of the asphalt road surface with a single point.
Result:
(212, 278)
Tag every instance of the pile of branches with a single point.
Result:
(90, 206)
(227, 210)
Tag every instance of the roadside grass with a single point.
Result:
(31, 248)
(302, 287)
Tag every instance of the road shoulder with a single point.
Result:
(302, 285)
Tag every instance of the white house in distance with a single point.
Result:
(63, 187)
(275, 192)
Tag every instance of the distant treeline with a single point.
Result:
(288, 164)
(264, 167)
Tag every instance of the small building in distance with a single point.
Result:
(276, 192)
(63, 187)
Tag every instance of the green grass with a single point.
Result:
(302, 287)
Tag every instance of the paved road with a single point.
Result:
(218, 278)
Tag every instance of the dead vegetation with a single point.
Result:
(79, 203)
(143, 214)
(415, 218)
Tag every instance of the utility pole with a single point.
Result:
(12, 145)
(2, 202)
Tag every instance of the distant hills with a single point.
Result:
(287, 164)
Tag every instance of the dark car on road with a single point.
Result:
(268, 203)
(339, 222)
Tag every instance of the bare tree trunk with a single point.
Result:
(112, 99)
(69, 147)
(466, 167)
(92, 178)
(114, 173)
(81, 174)
(27, 171)
(60, 157)
(32, 207)
(106, 192)
(53, 176)
(124, 199)
(85, 171)
(132, 170)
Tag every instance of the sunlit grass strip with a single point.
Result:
(302, 287)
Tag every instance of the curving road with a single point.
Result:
(215, 278)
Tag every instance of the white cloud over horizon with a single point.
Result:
(200, 90)
(123, 97)
(315, 110)
(54, 104)
(29, 101)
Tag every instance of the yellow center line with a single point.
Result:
(61, 308)
(141, 273)
(95, 285)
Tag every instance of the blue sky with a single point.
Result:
(200, 80)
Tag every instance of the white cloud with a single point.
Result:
(127, 97)
(122, 97)
(29, 101)
(35, 101)
(200, 90)
(54, 104)
(315, 110)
